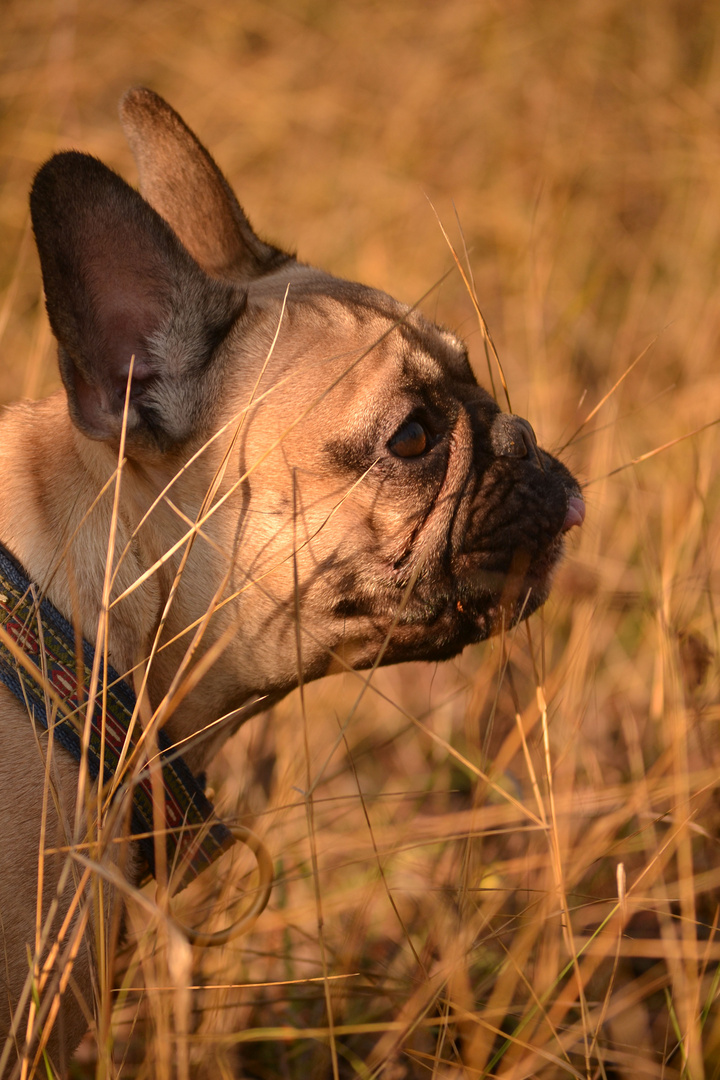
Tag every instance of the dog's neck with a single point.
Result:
(55, 521)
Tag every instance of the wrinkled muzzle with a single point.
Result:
(490, 544)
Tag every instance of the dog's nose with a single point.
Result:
(512, 436)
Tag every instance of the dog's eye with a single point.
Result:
(410, 441)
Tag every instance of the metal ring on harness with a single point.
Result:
(265, 869)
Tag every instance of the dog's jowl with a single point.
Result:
(244, 445)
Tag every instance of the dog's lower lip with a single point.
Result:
(575, 513)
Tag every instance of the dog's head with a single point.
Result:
(362, 485)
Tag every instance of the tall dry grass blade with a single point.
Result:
(606, 397)
(487, 336)
(308, 793)
(653, 453)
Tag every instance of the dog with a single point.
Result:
(257, 473)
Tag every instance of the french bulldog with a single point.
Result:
(257, 473)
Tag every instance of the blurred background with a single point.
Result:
(510, 862)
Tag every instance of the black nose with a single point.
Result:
(512, 436)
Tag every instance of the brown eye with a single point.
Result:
(410, 441)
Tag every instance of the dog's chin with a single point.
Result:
(442, 617)
(485, 597)
(464, 622)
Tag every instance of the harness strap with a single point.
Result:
(194, 837)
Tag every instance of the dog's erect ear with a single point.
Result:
(119, 284)
(182, 182)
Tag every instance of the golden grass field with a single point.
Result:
(510, 864)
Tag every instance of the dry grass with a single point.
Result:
(512, 865)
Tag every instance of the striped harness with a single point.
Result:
(47, 670)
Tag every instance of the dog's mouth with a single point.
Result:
(479, 599)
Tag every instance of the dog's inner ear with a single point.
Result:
(179, 178)
(118, 284)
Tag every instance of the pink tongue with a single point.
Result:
(575, 513)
